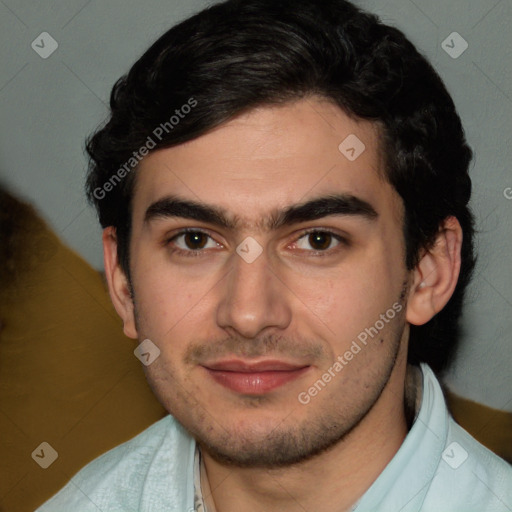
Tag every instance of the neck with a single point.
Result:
(333, 480)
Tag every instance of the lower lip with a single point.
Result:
(255, 383)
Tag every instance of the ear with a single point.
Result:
(436, 275)
(118, 285)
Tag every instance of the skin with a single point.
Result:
(271, 452)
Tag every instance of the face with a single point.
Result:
(294, 251)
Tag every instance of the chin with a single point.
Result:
(269, 443)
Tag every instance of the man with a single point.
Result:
(284, 193)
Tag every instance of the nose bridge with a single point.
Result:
(253, 298)
(250, 280)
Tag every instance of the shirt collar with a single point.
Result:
(201, 484)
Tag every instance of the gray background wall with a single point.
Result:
(48, 107)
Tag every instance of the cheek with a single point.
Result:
(165, 295)
(351, 297)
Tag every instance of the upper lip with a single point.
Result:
(237, 365)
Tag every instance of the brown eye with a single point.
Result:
(191, 242)
(318, 241)
(195, 240)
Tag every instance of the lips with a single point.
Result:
(248, 367)
(254, 378)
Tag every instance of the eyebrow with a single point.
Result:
(337, 204)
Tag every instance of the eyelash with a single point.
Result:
(200, 252)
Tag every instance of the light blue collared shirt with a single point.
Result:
(438, 468)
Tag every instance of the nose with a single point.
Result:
(253, 298)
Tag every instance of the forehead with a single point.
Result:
(271, 157)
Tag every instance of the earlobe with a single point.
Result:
(436, 274)
(118, 285)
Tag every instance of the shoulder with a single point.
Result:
(469, 477)
(155, 465)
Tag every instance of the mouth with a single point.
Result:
(254, 378)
